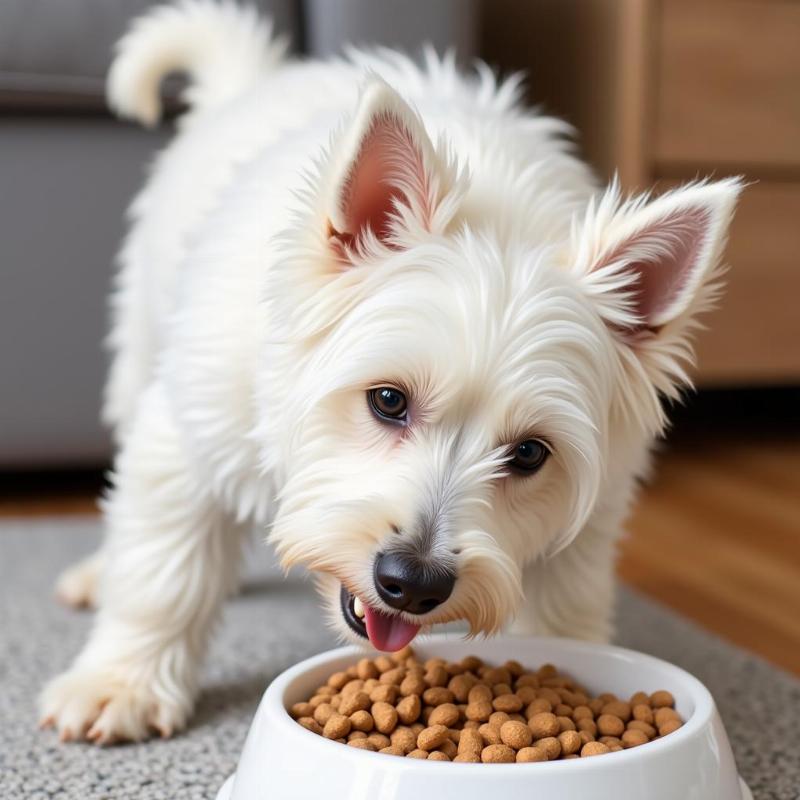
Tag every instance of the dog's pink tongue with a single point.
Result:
(388, 633)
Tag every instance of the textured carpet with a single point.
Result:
(272, 624)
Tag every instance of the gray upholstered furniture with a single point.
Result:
(67, 172)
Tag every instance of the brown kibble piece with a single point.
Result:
(551, 746)
(645, 727)
(670, 726)
(430, 738)
(310, 724)
(301, 710)
(509, 703)
(338, 680)
(384, 694)
(362, 721)
(363, 744)
(392, 751)
(437, 695)
(358, 701)
(446, 714)
(468, 758)
(380, 740)
(594, 749)
(570, 742)
(498, 754)
(422, 754)
(633, 738)
(438, 755)
(619, 709)
(470, 742)
(409, 709)
(543, 725)
(490, 733)
(385, 717)
(530, 754)
(365, 669)
(610, 725)
(662, 699)
(479, 711)
(323, 712)
(337, 726)
(643, 713)
(664, 714)
(515, 734)
(404, 739)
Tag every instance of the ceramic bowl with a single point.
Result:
(283, 761)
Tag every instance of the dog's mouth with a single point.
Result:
(387, 632)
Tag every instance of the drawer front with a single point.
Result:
(728, 84)
(754, 335)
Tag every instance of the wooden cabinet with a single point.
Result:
(664, 91)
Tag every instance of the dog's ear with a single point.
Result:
(383, 176)
(653, 265)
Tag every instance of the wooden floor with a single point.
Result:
(716, 535)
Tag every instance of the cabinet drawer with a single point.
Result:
(754, 335)
(727, 84)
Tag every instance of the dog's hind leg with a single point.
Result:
(171, 559)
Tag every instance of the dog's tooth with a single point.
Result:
(358, 608)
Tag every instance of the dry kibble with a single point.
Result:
(594, 749)
(470, 742)
(633, 738)
(384, 694)
(498, 754)
(385, 717)
(380, 740)
(515, 734)
(409, 709)
(337, 726)
(551, 746)
(670, 726)
(362, 744)
(490, 733)
(310, 724)
(529, 754)
(437, 695)
(445, 714)
(662, 699)
(543, 725)
(570, 742)
(430, 738)
(662, 715)
(645, 727)
(357, 701)
(471, 712)
(609, 725)
(404, 739)
(362, 721)
(509, 703)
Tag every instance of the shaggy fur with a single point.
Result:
(316, 230)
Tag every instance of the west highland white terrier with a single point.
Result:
(382, 311)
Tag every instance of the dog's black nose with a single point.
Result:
(407, 585)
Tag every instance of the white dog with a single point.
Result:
(385, 311)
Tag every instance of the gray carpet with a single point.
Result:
(271, 625)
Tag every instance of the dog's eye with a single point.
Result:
(528, 456)
(388, 403)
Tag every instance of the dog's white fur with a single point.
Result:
(250, 318)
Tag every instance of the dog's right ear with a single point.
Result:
(383, 179)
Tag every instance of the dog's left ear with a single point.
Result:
(384, 178)
(653, 266)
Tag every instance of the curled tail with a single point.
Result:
(223, 48)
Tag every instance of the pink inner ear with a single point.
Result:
(388, 166)
(662, 257)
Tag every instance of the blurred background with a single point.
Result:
(661, 91)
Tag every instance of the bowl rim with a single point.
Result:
(704, 707)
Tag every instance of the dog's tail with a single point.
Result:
(223, 47)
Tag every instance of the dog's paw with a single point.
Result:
(103, 708)
(77, 585)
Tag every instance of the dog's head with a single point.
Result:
(453, 396)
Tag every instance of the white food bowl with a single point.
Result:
(283, 761)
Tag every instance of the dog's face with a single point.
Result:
(454, 395)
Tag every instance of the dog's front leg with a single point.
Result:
(571, 593)
(170, 559)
